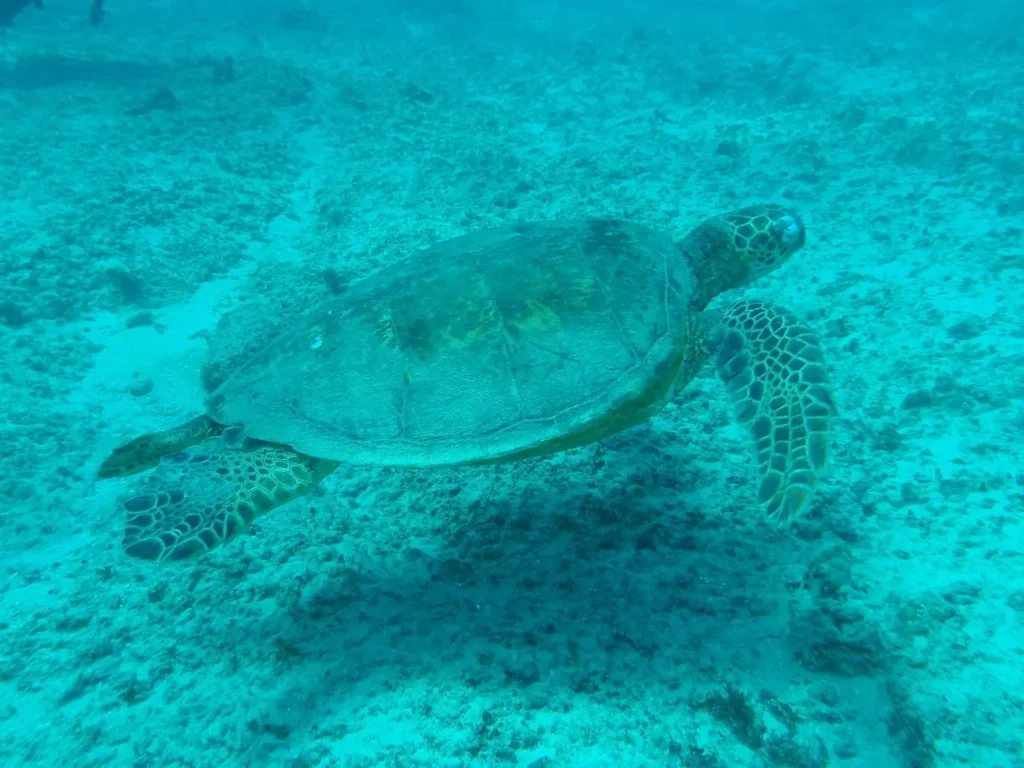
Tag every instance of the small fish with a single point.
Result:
(96, 13)
(11, 8)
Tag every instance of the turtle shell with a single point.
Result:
(505, 343)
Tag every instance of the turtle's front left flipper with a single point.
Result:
(774, 369)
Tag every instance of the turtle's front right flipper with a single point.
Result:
(145, 452)
(773, 366)
(206, 496)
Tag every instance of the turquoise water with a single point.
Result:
(623, 604)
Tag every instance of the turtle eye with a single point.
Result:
(790, 232)
(776, 234)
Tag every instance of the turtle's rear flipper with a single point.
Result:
(202, 498)
(774, 369)
(145, 452)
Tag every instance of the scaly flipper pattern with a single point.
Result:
(200, 499)
(773, 367)
(145, 452)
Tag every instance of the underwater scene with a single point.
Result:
(540, 383)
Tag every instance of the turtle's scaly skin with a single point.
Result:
(144, 452)
(774, 370)
(508, 343)
(201, 499)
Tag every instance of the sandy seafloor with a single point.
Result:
(622, 605)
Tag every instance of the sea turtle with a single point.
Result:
(506, 343)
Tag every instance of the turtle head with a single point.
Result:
(733, 249)
(765, 236)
